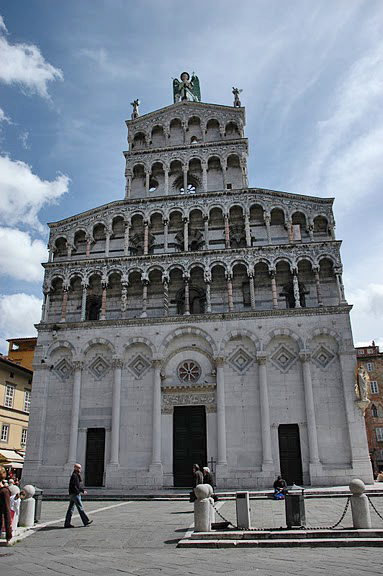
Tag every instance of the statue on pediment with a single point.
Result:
(186, 89)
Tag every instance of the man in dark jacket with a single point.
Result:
(75, 490)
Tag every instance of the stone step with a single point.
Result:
(281, 542)
(287, 534)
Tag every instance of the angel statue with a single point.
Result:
(236, 93)
(135, 104)
(187, 89)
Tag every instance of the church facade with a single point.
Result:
(196, 320)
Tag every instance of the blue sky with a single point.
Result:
(312, 80)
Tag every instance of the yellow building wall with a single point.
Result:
(16, 417)
(21, 351)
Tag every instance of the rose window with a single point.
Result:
(189, 372)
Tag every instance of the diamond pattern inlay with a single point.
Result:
(283, 359)
(99, 367)
(322, 357)
(63, 369)
(240, 360)
(138, 366)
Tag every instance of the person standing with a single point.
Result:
(76, 488)
(5, 509)
(207, 477)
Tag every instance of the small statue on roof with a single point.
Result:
(236, 93)
(135, 104)
(187, 89)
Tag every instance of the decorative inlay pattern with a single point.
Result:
(189, 372)
(63, 369)
(171, 400)
(139, 366)
(323, 357)
(99, 367)
(283, 359)
(240, 360)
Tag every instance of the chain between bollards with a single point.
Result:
(373, 507)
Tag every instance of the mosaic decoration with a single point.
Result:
(63, 369)
(322, 357)
(283, 359)
(240, 360)
(99, 367)
(139, 366)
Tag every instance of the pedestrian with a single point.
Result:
(207, 477)
(197, 479)
(76, 488)
(280, 488)
(5, 507)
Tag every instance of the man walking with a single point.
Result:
(75, 490)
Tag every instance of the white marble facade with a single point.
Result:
(195, 290)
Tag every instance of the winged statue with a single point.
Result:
(187, 88)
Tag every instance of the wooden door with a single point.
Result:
(189, 442)
(95, 457)
(290, 453)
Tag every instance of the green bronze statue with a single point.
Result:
(186, 89)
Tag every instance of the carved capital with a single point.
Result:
(219, 360)
(78, 364)
(305, 355)
(261, 357)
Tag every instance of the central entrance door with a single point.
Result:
(189, 442)
(95, 456)
(290, 453)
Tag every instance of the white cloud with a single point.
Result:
(18, 314)
(24, 136)
(348, 149)
(25, 65)
(4, 117)
(20, 256)
(23, 194)
(2, 24)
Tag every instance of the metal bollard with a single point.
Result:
(361, 517)
(202, 508)
(39, 501)
(295, 507)
(243, 510)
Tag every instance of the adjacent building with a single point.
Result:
(198, 319)
(21, 351)
(371, 360)
(15, 399)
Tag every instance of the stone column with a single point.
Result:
(208, 298)
(221, 412)
(165, 281)
(166, 172)
(116, 404)
(224, 173)
(267, 219)
(204, 175)
(310, 409)
(88, 245)
(166, 234)
(244, 171)
(185, 177)
(108, 234)
(45, 309)
(103, 301)
(69, 249)
(297, 296)
(332, 230)
(250, 274)
(51, 253)
(156, 437)
(310, 229)
(64, 303)
(83, 300)
(187, 301)
(267, 460)
(274, 296)
(126, 239)
(146, 237)
(317, 285)
(247, 230)
(290, 231)
(227, 231)
(128, 187)
(75, 412)
(339, 283)
(186, 234)
(229, 291)
(145, 283)
(147, 182)
(206, 232)
(124, 295)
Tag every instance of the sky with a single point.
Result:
(312, 80)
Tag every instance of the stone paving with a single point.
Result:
(139, 538)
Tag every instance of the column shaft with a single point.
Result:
(221, 413)
(185, 174)
(186, 235)
(247, 231)
(75, 413)
(265, 412)
(230, 294)
(116, 403)
(206, 234)
(297, 296)
(166, 232)
(268, 229)
(147, 182)
(274, 291)
(144, 299)
(83, 303)
(166, 181)
(64, 305)
(208, 298)
(126, 240)
(146, 238)
(310, 410)
(252, 292)
(166, 297)
(87, 254)
(103, 303)
(204, 177)
(227, 231)
(187, 301)
(318, 288)
(156, 438)
(107, 244)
